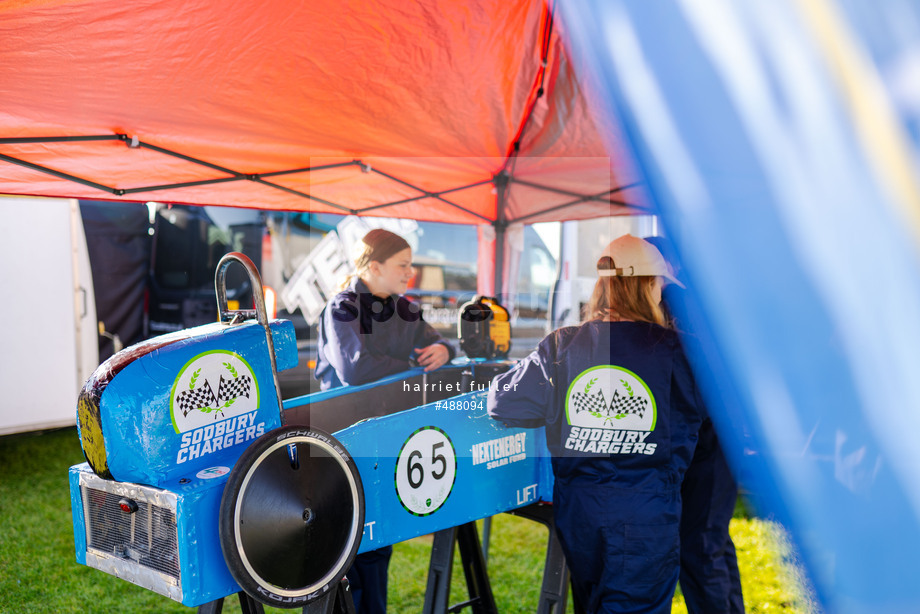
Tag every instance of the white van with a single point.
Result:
(49, 337)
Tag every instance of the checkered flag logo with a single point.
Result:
(211, 386)
(592, 403)
(191, 400)
(611, 397)
(622, 406)
(232, 389)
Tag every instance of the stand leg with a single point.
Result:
(555, 584)
(479, 589)
(338, 601)
(212, 607)
(474, 568)
(437, 592)
(248, 605)
(323, 605)
(345, 602)
(554, 590)
(486, 538)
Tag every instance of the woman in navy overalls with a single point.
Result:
(621, 411)
(368, 331)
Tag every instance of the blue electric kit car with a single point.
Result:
(201, 483)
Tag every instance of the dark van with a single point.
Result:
(188, 242)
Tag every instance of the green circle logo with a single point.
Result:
(212, 386)
(610, 397)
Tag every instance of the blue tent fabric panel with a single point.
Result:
(802, 271)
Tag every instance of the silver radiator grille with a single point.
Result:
(147, 537)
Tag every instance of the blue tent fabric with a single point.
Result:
(889, 32)
(800, 252)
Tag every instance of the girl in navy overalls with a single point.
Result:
(621, 412)
(368, 331)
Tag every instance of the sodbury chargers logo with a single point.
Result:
(214, 404)
(611, 411)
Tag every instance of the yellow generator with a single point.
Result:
(484, 328)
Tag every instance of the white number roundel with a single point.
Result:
(425, 471)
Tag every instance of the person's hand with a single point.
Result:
(432, 357)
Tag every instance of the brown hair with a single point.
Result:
(626, 298)
(378, 245)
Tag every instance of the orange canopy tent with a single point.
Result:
(463, 111)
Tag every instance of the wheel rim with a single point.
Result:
(298, 516)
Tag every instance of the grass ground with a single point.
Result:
(39, 574)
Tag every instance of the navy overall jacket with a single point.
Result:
(622, 412)
(363, 338)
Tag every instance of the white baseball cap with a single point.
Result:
(635, 257)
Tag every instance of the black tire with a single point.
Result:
(291, 522)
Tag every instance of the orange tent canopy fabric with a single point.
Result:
(390, 108)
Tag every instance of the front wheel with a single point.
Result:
(292, 516)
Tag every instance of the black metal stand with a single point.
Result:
(479, 589)
(338, 601)
(554, 589)
(248, 605)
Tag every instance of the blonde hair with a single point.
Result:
(625, 298)
(378, 245)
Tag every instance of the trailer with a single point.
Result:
(51, 344)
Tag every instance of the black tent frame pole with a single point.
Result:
(601, 196)
(24, 140)
(577, 201)
(260, 178)
(58, 174)
(328, 203)
(426, 194)
(505, 176)
(501, 180)
(170, 186)
(499, 263)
